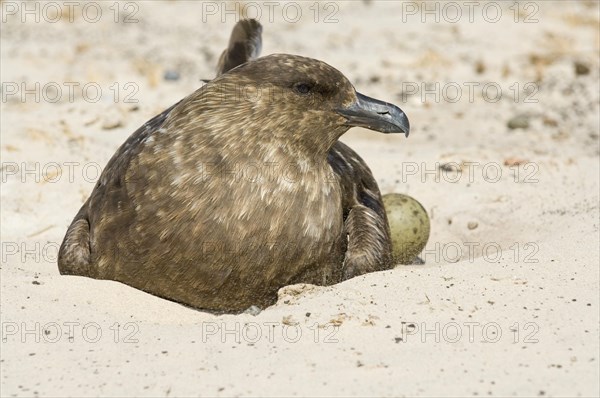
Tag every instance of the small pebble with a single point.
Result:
(513, 161)
(450, 167)
(472, 225)
(479, 67)
(581, 69)
(253, 310)
(518, 122)
(111, 120)
(171, 75)
(109, 125)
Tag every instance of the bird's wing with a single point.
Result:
(365, 219)
(75, 254)
(245, 44)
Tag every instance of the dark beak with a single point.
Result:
(375, 115)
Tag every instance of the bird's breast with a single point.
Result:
(285, 202)
(281, 203)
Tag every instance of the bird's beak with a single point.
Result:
(375, 115)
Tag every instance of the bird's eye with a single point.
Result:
(302, 88)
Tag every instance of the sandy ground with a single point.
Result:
(507, 301)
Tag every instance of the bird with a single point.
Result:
(240, 188)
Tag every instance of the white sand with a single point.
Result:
(527, 316)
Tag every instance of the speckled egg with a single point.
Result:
(409, 226)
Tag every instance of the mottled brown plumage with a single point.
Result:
(239, 189)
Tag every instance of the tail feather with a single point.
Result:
(245, 45)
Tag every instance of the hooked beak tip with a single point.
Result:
(376, 115)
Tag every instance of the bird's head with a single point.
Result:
(305, 99)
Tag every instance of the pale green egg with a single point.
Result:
(409, 226)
